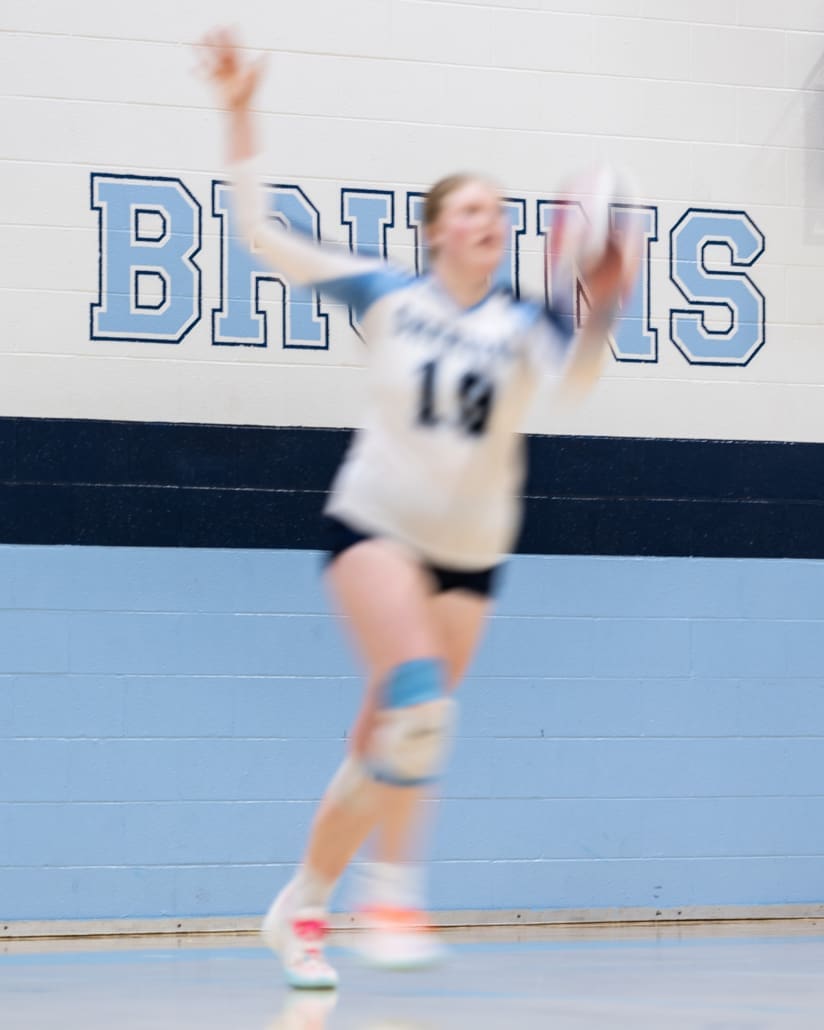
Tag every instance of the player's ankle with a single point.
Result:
(393, 885)
(311, 890)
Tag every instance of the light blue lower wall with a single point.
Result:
(635, 732)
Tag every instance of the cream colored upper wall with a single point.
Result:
(714, 105)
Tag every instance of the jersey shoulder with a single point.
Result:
(532, 314)
(364, 288)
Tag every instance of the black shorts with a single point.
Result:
(340, 537)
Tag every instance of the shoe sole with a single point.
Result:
(376, 960)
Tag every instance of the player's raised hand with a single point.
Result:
(606, 258)
(234, 77)
(605, 255)
(611, 277)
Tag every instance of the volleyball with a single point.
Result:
(586, 221)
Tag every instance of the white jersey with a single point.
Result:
(438, 465)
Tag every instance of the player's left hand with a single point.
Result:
(612, 277)
(608, 281)
(222, 61)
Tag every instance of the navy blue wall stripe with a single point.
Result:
(160, 484)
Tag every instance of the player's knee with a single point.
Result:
(413, 726)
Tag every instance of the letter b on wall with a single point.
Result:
(149, 282)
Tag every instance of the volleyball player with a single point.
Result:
(421, 514)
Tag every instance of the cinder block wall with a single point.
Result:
(635, 732)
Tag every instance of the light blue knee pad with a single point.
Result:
(414, 683)
(412, 731)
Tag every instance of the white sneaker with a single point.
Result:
(397, 938)
(297, 935)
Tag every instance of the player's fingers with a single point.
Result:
(219, 43)
(227, 36)
(209, 51)
(604, 279)
(229, 44)
(211, 42)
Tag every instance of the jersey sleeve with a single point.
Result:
(338, 274)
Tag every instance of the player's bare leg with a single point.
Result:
(384, 595)
(393, 891)
(457, 618)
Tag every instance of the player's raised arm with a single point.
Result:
(607, 259)
(302, 261)
(235, 81)
(604, 285)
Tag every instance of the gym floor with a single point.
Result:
(736, 976)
